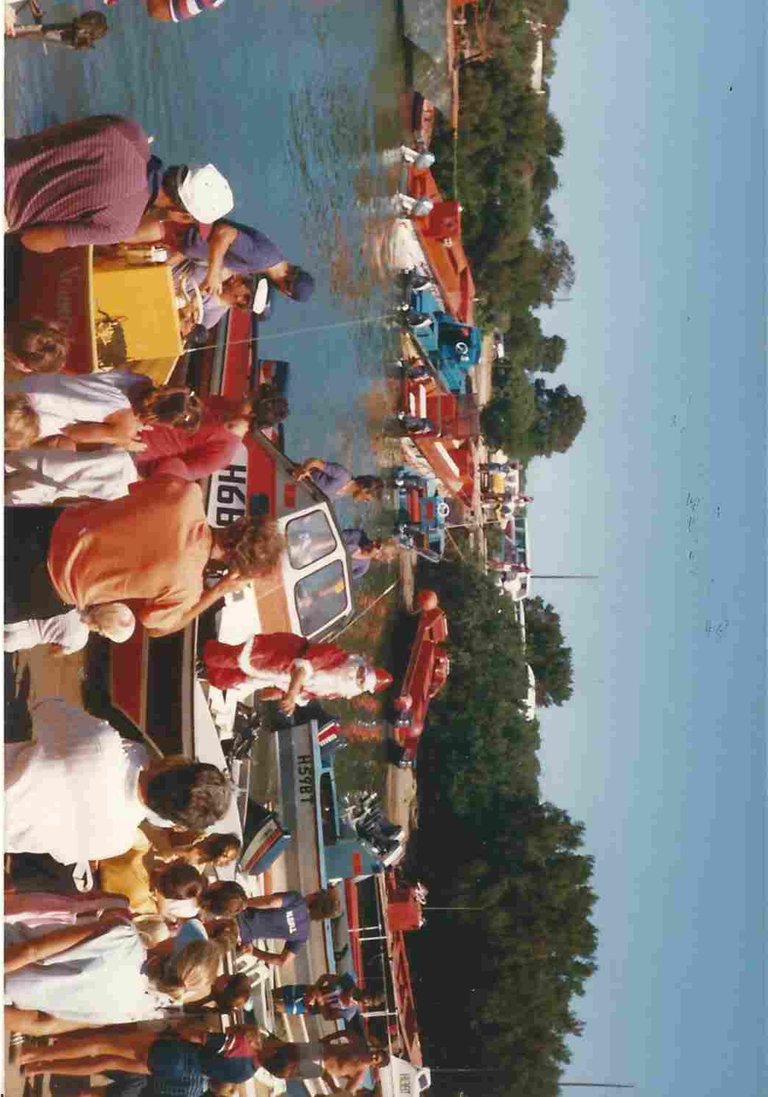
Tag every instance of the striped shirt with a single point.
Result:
(89, 176)
(187, 9)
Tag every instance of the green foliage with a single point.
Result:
(507, 419)
(527, 347)
(559, 418)
(552, 350)
(507, 144)
(547, 654)
(528, 419)
(525, 945)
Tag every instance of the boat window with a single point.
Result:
(309, 538)
(321, 598)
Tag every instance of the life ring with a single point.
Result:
(443, 509)
(462, 348)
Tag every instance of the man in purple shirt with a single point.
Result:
(232, 248)
(334, 480)
(363, 551)
(94, 182)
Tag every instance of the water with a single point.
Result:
(297, 103)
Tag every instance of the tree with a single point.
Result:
(558, 420)
(508, 418)
(505, 166)
(526, 945)
(547, 654)
(558, 270)
(554, 138)
(528, 419)
(552, 353)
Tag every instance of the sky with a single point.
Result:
(661, 752)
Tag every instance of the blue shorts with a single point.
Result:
(172, 1059)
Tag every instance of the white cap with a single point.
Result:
(261, 296)
(206, 194)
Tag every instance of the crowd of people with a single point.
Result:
(112, 917)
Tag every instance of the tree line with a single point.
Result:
(507, 151)
(495, 982)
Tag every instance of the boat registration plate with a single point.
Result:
(228, 495)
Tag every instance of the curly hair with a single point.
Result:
(175, 407)
(215, 846)
(223, 898)
(180, 881)
(193, 794)
(22, 424)
(253, 546)
(324, 904)
(35, 346)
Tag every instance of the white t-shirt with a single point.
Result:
(72, 792)
(61, 399)
(100, 981)
(66, 629)
(39, 477)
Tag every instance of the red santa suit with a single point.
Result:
(266, 662)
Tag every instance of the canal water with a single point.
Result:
(299, 103)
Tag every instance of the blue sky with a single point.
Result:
(662, 750)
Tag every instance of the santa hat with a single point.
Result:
(376, 680)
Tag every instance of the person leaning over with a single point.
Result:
(94, 181)
(229, 248)
(334, 480)
(78, 791)
(151, 549)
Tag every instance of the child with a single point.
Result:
(22, 425)
(112, 407)
(284, 916)
(177, 891)
(344, 1056)
(34, 346)
(173, 891)
(228, 993)
(186, 1051)
(68, 632)
(334, 997)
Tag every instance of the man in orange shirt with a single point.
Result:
(150, 549)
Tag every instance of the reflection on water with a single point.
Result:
(295, 102)
(426, 24)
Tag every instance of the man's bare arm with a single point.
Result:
(44, 238)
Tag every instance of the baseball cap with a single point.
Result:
(302, 285)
